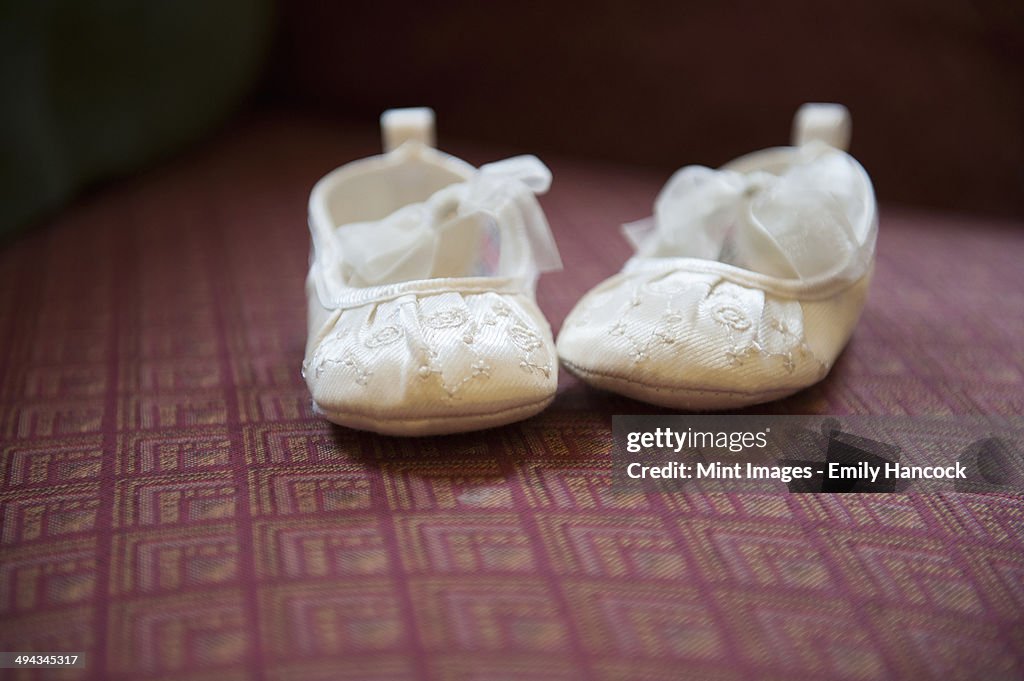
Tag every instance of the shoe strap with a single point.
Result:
(416, 124)
(828, 123)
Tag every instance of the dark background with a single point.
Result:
(936, 87)
(100, 89)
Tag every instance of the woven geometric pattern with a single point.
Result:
(170, 505)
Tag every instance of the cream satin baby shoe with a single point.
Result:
(422, 316)
(746, 283)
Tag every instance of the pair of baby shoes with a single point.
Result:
(745, 285)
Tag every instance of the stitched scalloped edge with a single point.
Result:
(678, 397)
(434, 425)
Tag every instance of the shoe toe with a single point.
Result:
(443, 364)
(688, 341)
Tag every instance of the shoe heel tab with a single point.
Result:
(398, 126)
(828, 123)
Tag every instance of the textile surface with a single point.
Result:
(170, 505)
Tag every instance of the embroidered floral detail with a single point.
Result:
(384, 336)
(666, 336)
(479, 369)
(428, 366)
(731, 316)
(446, 319)
(362, 373)
(347, 349)
(738, 354)
(333, 345)
(525, 339)
(530, 366)
(665, 330)
(787, 363)
(797, 344)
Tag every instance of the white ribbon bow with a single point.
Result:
(799, 224)
(489, 225)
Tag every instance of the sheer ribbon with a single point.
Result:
(795, 225)
(489, 225)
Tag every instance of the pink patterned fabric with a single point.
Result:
(170, 505)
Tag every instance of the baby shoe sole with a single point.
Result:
(677, 397)
(435, 425)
